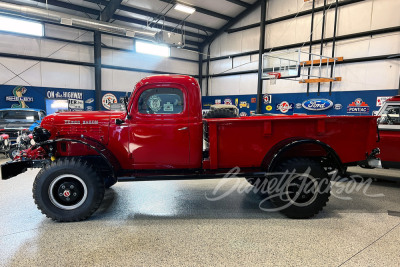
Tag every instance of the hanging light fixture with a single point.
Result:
(184, 8)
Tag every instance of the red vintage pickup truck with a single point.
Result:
(160, 137)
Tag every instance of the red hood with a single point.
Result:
(93, 124)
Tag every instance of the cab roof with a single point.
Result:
(167, 78)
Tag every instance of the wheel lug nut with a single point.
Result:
(61, 194)
(63, 187)
(67, 198)
(74, 194)
(71, 187)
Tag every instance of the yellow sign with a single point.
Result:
(268, 108)
(244, 104)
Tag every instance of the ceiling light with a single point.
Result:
(22, 26)
(186, 9)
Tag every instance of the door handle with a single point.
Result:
(184, 128)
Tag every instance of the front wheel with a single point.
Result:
(302, 188)
(68, 190)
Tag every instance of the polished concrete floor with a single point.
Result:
(171, 223)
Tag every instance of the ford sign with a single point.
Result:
(317, 104)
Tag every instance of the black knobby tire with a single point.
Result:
(109, 181)
(313, 189)
(68, 190)
(217, 113)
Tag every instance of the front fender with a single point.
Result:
(99, 148)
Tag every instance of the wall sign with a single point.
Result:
(317, 104)
(267, 99)
(380, 100)
(76, 105)
(110, 98)
(358, 106)
(228, 101)
(341, 101)
(65, 94)
(284, 106)
(17, 96)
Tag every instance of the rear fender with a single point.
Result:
(301, 147)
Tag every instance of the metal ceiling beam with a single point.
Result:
(240, 3)
(154, 15)
(160, 26)
(109, 10)
(168, 19)
(200, 10)
(70, 6)
(117, 17)
(231, 22)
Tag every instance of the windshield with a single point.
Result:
(19, 115)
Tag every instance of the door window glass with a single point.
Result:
(390, 117)
(161, 101)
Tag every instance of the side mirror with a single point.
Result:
(126, 100)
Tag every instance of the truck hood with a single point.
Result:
(92, 124)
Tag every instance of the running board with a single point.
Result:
(189, 177)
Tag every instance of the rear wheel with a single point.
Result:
(303, 188)
(68, 190)
(109, 181)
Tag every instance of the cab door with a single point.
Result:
(159, 128)
(389, 130)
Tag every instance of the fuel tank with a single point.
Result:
(92, 124)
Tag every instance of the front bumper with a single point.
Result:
(13, 168)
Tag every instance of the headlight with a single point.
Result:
(6, 142)
(19, 139)
(33, 142)
(40, 134)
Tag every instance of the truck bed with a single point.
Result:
(244, 142)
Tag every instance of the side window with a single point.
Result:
(390, 115)
(161, 101)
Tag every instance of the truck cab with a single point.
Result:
(165, 124)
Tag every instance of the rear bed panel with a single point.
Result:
(244, 142)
